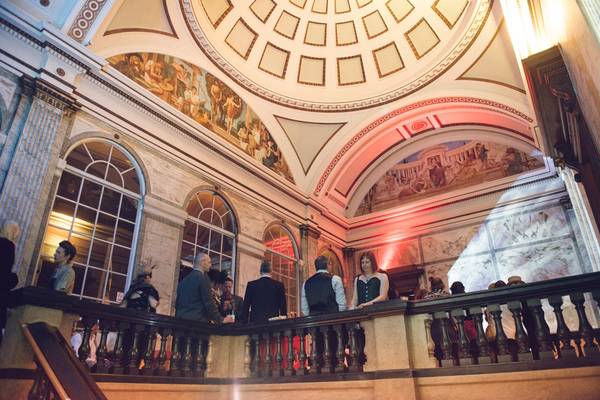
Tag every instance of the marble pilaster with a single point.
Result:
(31, 165)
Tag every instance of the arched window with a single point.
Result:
(210, 228)
(97, 207)
(282, 252)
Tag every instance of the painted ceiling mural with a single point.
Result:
(205, 99)
(444, 167)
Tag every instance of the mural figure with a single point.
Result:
(204, 98)
(444, 167)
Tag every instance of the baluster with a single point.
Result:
(596, 296)
(279, 355)
(289, 371)
(541, 330)
(315, 357)
(464, 351)
(302, 357)
(354, 364)
(120, 355)
(327, 354)
(162, 354)
(268, 358)
(175, 356)
(205, 347)
(186, 368)
(565, 350)
(255, 363)
(199, 366)
(247, 356)
(586, 332)
(210, 356)
(134, 351)
(523, 352)
(150, 344)
(501, 339)
(84, 348)
(340, 354)
(102, 364)
(445, 343)
(483, 356)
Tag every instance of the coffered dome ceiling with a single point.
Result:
(336, 55)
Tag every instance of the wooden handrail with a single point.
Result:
(47, 298)
(53, 354)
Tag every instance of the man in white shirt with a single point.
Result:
(323, 293)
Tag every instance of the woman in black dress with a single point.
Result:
(142, 296)
(370, 286)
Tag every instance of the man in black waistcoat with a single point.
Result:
(264, 298)
(323, 293)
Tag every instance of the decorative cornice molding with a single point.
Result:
(414, 106)
(48, 94)
(309, 231)
(85, 19)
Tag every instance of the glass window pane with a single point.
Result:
(79, 273)
(128, 208)
(115, 285)
(120, 259)
(113, 176)
(215, 241)
(79, 158)
(53, 237)
(228, 222)
(206, 199)
(97, 168)
(206, 215)
(90, 194)
(105, 227)
(216, 219)
(189, 232)
(85, 220)
(99, 256)
(110, 201)
(227, 245)
(124, 233)
(120, 160)
(99, 150)
(69, 186)
(187, 253)
(62, 213)
(194, 207)
(82, 245)
(94, 283)
(132, 182)
(203, 236)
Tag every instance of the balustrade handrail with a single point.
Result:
(561, 286)
(44, 297)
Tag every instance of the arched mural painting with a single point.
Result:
(207, 100)
(444, 167)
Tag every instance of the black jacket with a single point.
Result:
(265, 298)
(194, 299)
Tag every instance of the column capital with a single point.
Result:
(309, 231)
(47, 93)
(348, 251)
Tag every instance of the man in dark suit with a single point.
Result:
(194, 295)
(265, 298)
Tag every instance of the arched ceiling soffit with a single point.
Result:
(434, 168)
(340, 177)
(207, 100)
(338, 55)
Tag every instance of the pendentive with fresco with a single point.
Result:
(207, 100)
(447, 166)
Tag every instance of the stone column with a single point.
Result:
(351, 267)
(309, 237)
(25, 190)
(583, 214)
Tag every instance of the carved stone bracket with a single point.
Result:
(50, 95)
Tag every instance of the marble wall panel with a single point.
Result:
(540, 262)
(475, 272)
(449, 244)
(586, 262)
(252, 220)
(161, 244)
(528, 227)
(399, 254)
(248, 270)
